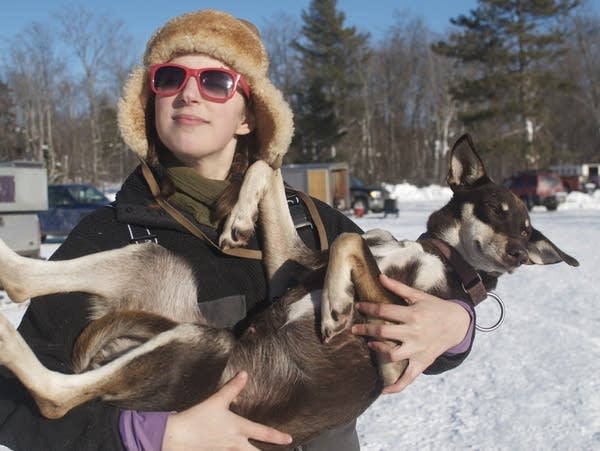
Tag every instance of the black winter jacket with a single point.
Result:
(229, 289)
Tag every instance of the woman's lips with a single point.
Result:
(189, 119)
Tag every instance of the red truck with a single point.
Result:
(537, 188)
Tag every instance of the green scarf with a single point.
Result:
(195, 194)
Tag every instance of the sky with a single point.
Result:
(142, 17)
(532, 384)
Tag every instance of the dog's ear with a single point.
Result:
(466, 168)
(542, 251)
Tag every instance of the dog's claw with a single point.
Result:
(329, 329)
(235, 238)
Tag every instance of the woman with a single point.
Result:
(197, 113)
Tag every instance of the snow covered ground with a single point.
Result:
(534, 384)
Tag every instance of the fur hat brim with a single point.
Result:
(236, 43)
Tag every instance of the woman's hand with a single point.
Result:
(210, 425)
(425, 328)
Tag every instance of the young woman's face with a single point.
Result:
(201, 133)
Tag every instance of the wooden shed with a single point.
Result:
(329, 182)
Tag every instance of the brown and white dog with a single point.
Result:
(149, 348)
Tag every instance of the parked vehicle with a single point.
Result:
(23, 192)
(537, 188)
(372, 198)
(67, 204)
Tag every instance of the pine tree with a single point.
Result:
(508, 46)
(330, 54)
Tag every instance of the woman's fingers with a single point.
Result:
(390, 352)
(262, 433)
(250, 429)
(410, 374)
(379, 331)
(402, 290)
(394, 312)
(418, 332)
(210, 425)
(411, 295)
(395, 354)
(228, 392)
(389, 312)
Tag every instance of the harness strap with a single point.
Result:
(315, 216)
(471, 280)
(197, 232)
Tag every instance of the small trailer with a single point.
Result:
(23, 193)
(579, 177)
(329, 182)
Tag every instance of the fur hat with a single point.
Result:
(237, 44)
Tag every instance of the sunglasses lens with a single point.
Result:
(168, 79)
(217, 84)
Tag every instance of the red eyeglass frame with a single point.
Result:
(238, 81)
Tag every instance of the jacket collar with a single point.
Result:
(134, 205)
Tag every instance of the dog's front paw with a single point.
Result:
(238, 229)
(331, 328)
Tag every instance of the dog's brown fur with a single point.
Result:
(156, 352)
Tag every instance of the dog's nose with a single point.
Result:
(517, 252)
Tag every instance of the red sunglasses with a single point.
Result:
(216, 84)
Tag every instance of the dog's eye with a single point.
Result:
(525, 233)
(497, 209)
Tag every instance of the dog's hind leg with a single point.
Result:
(353, 274)
(124, 278)
(143, 378)
(113, 334)
(54, 392)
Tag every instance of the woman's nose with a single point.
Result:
(190, 91)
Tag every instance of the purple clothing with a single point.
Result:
(142, 431)
(464, 345)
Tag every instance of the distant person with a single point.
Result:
(198, 110)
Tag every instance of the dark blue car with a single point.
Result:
(67, 204)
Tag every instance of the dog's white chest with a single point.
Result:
(429, 270)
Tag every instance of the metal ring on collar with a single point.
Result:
(497, 324)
